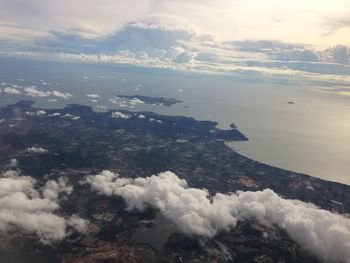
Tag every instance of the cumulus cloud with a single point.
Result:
(119, 115)
(195, 212)
(40, 113)
(39, 150)
(52, 188)
(33, 91)
(261, 58)
(126, 102)
(24, 208)
(11, 90)
(63, 95)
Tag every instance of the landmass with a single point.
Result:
(80, 142)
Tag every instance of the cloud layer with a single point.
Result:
(325, 234)
(301, 40)
(182, 48)
(26, 208)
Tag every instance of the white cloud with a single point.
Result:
(135, 101)
(53, 189)
(39, 150)
(40, 113)
(93, 96)
(11, 90)
(223, 60)
(33, 91)
(37, 113)
(77, 223)
(26, 209)
(70, 116)
(55, 114)
(63, 95)
(30, 113)
(119, 115)
(323, 233)
(154, 120)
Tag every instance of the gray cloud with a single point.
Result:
(338, 54)
(24, 208)
(180, 48)
(23, 20)
(325, 234)
(335, 24)
(136, 39)
(275, 50)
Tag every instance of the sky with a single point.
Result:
(279, 37)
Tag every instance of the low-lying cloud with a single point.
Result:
(93, 96)
(119, 115)
(34, 92)
(39, 150)
(24, 207)
(62, 95)
(11, 90)
(195, 212)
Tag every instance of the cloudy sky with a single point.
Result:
(271, 37)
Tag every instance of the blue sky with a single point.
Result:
(302, 39)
